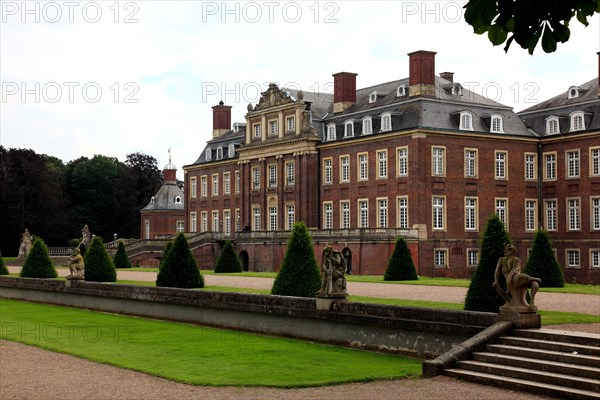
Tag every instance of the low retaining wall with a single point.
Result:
(421, 332)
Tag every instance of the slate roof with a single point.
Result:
(165, 199)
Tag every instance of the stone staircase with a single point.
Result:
(553, 363)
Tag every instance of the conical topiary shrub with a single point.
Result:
(166, 251)
(481, 296)
(38, 263)
(98, 265)
(228, 260)
(3, 269)
(121, 260)
(542, 263)
(400, 266)
(178, 267)
(299, 274)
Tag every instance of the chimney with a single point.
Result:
(449, 76)
(344, 91)
(170, 174)
(422, 73)
(221, 119)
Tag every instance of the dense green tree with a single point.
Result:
(38, 263)
(168, 248)
(228, 260)
(542, 263)
(3, 269)
(98, 265)
(121, 260)
(299, 274)
(400, 265)
(178, 267)
(481, 296)
(528, 21)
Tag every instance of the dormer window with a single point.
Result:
(373, 97)
(219, 153)
(386, 122)
(552, 127)
(457, 89)
(401, 91)
(331, 134)
(349, 129)
(466, 121)
(177, 199)
(496, 125)
(231, 151)
(573, 92)
(367, 127)
(236, 127)
(152, 200)
(208, 155)
(577, 122)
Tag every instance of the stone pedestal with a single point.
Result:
(324, 303)
(70, 279)
(521, 317)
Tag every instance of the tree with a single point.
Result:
(542, 263)
(98, 265)
(299, 274)
(121, 260)
(528, 21)
(38, 263)
(228, 260)
(400, 266)
(3, 269)
(481, 296)
(178, 267)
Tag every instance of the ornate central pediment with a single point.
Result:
(273, 97)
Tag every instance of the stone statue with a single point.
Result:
(86, 236)
(517, 283)
(76, 266)
(25, 246)
(333, 267)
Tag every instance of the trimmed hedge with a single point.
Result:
(228, 260)
(400, 266)
(98, 265)
(121, 260)
(3, 269)
(481, 296)
(38, 263)
(178, 267)
(542, 263)
(299, 274)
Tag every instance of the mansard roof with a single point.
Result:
(166, 199)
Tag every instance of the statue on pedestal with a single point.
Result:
(86, 237)
(76, 266)
(517, 283)
(25, 246)
(333, 267)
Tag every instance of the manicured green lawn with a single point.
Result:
(194, 354)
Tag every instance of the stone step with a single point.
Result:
(577, 359)
(533, 375)
(551, 345)
(524, 385)
(540, 365)
(586, 339)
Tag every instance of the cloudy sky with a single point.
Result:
(81, 78)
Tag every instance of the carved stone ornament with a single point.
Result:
(273, 97)
(517, 283)
(76, 266)
(333, 267)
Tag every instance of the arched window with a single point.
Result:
(331, 134)
(373, 97)
(177, 199)
(552, 126)
(231, 151)
(496, 125)
(152, 200)
(367, 127)
(401, 91)
(573, 92)
(466, 121)
(348, 129)
(219, 153)
(457, 89)
(208, 155)
(386, 122)
(577, 121)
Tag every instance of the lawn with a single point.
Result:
(194, 354)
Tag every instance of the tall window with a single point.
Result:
(327, 215)
(208, 155)
(290, 123)
(256, 219)
(272, 176)
(291, 216)
(345, 215)
(577, 123)
(550, 214)
(204, 186)
(466, 121)
(440, 258)
(272, 218)
(227, 222)
(403, 161)
(273, 127)
(386, 123)
(438, 159)
(403, 212)
(573, 260)
(496, 124)
(573, 206)
(595, 161)
(256, 178)
(237, 219)
(382, 207)
(502, 211)
(470, 163)
(439, 211)
(231, 151)
(237, 182)
(193, 187)
(363, 167)
(500, 165)
(552, 126)
(470, 213)
(382, 164)
(595, 258)
(573, 164)
(530, 166)
(204, 221)
(331, 132)
(227, 183)
(550, 166)
(257, 131)
(219, 153)
(595, 204)
(179, 227)
(215, 221)
(363, 213)
(290, 171)
(349, 129)
(215, 184)
(345, 169)
(367, 126)
(472, 257)
(193, 221)
(530, 215)
(327, 171)
(147, 226)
